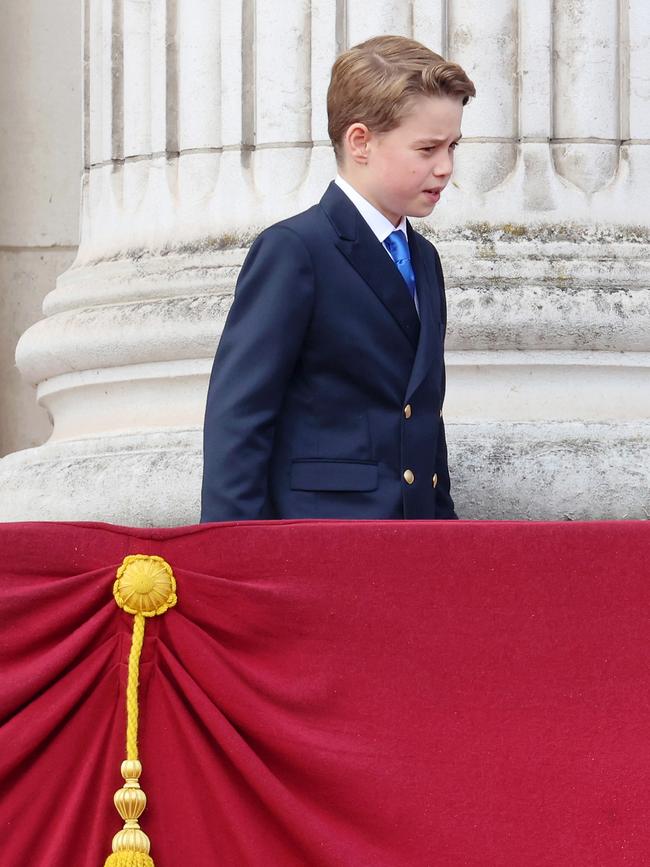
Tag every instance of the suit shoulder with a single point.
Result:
(302, 224)
(290, 233)
(297, 233)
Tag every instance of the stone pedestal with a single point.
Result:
(206, 122)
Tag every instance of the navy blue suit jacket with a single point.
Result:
(322, 350)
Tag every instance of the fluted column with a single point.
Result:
(548, 351)
(586, 106)
(204, 122)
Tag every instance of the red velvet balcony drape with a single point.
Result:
(327, 693)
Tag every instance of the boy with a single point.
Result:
(326, 394)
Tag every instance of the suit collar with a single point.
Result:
(429, 345)
(425, 276)
(370, 259)
(381, 226)
(341, 212)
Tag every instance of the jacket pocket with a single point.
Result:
(324, 475)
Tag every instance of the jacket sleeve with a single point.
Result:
(257, 353)
(444, 502)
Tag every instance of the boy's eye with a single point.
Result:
(429, 148)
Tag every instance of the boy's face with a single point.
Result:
(406, 169)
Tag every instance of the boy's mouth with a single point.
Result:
(433, 193)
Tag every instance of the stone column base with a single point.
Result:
(505, 471)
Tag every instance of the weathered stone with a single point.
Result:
(196, 137)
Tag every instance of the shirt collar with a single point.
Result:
(379, 224)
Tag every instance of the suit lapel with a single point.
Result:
(429, 306)
(370, 260)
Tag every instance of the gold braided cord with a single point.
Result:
(133, 682)
(144, 587)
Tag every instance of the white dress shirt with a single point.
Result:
(380, 225)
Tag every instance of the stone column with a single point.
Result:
(40, 152)
(205, 122)
(546, 247)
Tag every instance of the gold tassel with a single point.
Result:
(145, 586)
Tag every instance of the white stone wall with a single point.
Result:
(205, 122)
(40, 155)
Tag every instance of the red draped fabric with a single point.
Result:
(392, 694)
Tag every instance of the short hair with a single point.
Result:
(374, 83)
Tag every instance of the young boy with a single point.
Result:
(326, 394)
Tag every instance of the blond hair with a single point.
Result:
(375, 82)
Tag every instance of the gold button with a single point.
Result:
(407, 411)
(409, 478)
(434, 480)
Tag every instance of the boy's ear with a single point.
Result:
(355, 141)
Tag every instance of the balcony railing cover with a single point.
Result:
(394, 694)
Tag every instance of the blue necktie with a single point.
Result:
(398, 247)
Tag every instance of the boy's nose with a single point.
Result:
(443, 166)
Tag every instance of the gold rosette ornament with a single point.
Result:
(145, 586)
